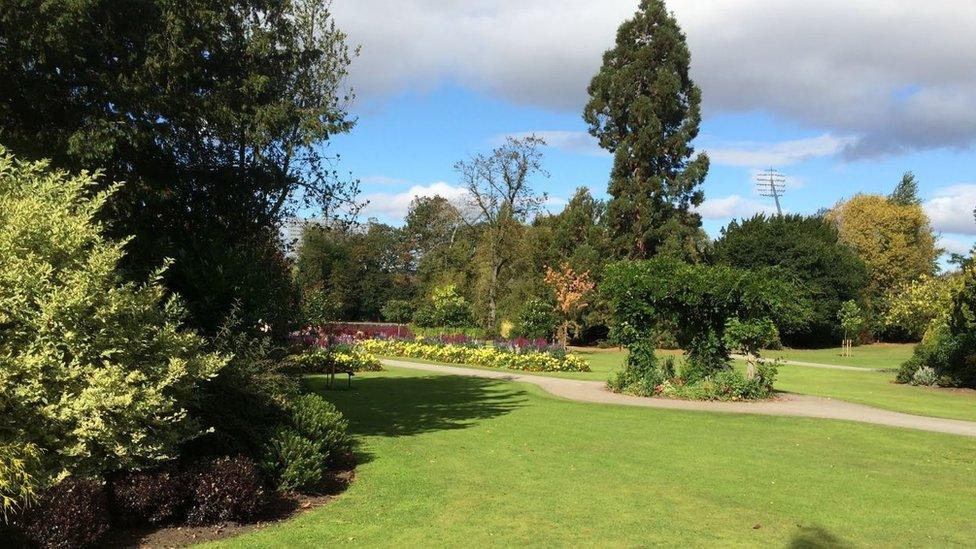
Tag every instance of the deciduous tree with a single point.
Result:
(499, 187)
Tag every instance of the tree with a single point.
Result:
(96, 373)
(851, 322)
(912, 307)
(571, 289)
(699, 300)
(895, 241)
(215, 113)
(502, 199)
(809, 250)
(644, 109)
(906, 193)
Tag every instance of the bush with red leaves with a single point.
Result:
(74, 513)
(156, 496)
(224, 489)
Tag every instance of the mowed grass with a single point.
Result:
(460, 461)
(876, 389)
(868, 387)
(878, 355)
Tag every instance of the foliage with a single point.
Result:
(247, 397)
(644, 109)
(906, 192)
(318, 420)
(851, 319)
(895, 241)
(536, 319)
(491, 357)
(96, 373)
(949, 345)
(224, 489)
(750, 337)
(699, 301)
(809, 252)
(298, 454)
(294, 461)
(215, 113)
(911, 308)
(502, 199)
(445, 308)
(336, 358)
(154, 496)
(571, 288)
(19, 464)
(425, 332)
(397, 310)
(347, 275)
(72, 513)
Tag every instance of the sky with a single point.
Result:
(842, 96)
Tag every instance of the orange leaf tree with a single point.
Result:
(571, 289)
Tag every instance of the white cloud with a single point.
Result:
(956, 245)
(732, 206)
(784, 153)
(898, 77)
(393, 206)
(951, 209)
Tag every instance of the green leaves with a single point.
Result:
(644, 108)
(96, 373)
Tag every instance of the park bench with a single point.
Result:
(332, 375)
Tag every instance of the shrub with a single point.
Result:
(95, 371)
(397, 310)
(224, 489)
(72, 513)
(536, 319)
(477, 355)
(318, 419)
(243, 403)
(297, 456)
(949, 345)
(18, 477)
(155, 496)
(294, 461)
(699, 301)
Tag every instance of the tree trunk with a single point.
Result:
(493, 296)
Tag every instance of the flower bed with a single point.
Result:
(479, 355)
(336, 358)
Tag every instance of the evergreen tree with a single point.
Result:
(644, 108)
(906, 193)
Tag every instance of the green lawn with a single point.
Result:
(878, 355)
(867, 387)
(876, 389)
(460, 461)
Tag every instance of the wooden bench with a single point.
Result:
(332, 376)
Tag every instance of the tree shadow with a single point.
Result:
(406, 406)
(815, 537)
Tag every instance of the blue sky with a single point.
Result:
(843, 116)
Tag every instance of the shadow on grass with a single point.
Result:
(815, 537)
(405, 406)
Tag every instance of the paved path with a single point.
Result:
(817, 365)
(786, 405)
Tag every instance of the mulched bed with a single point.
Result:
(281, 508)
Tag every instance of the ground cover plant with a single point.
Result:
(459, 461)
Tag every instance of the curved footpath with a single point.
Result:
(787, 404)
